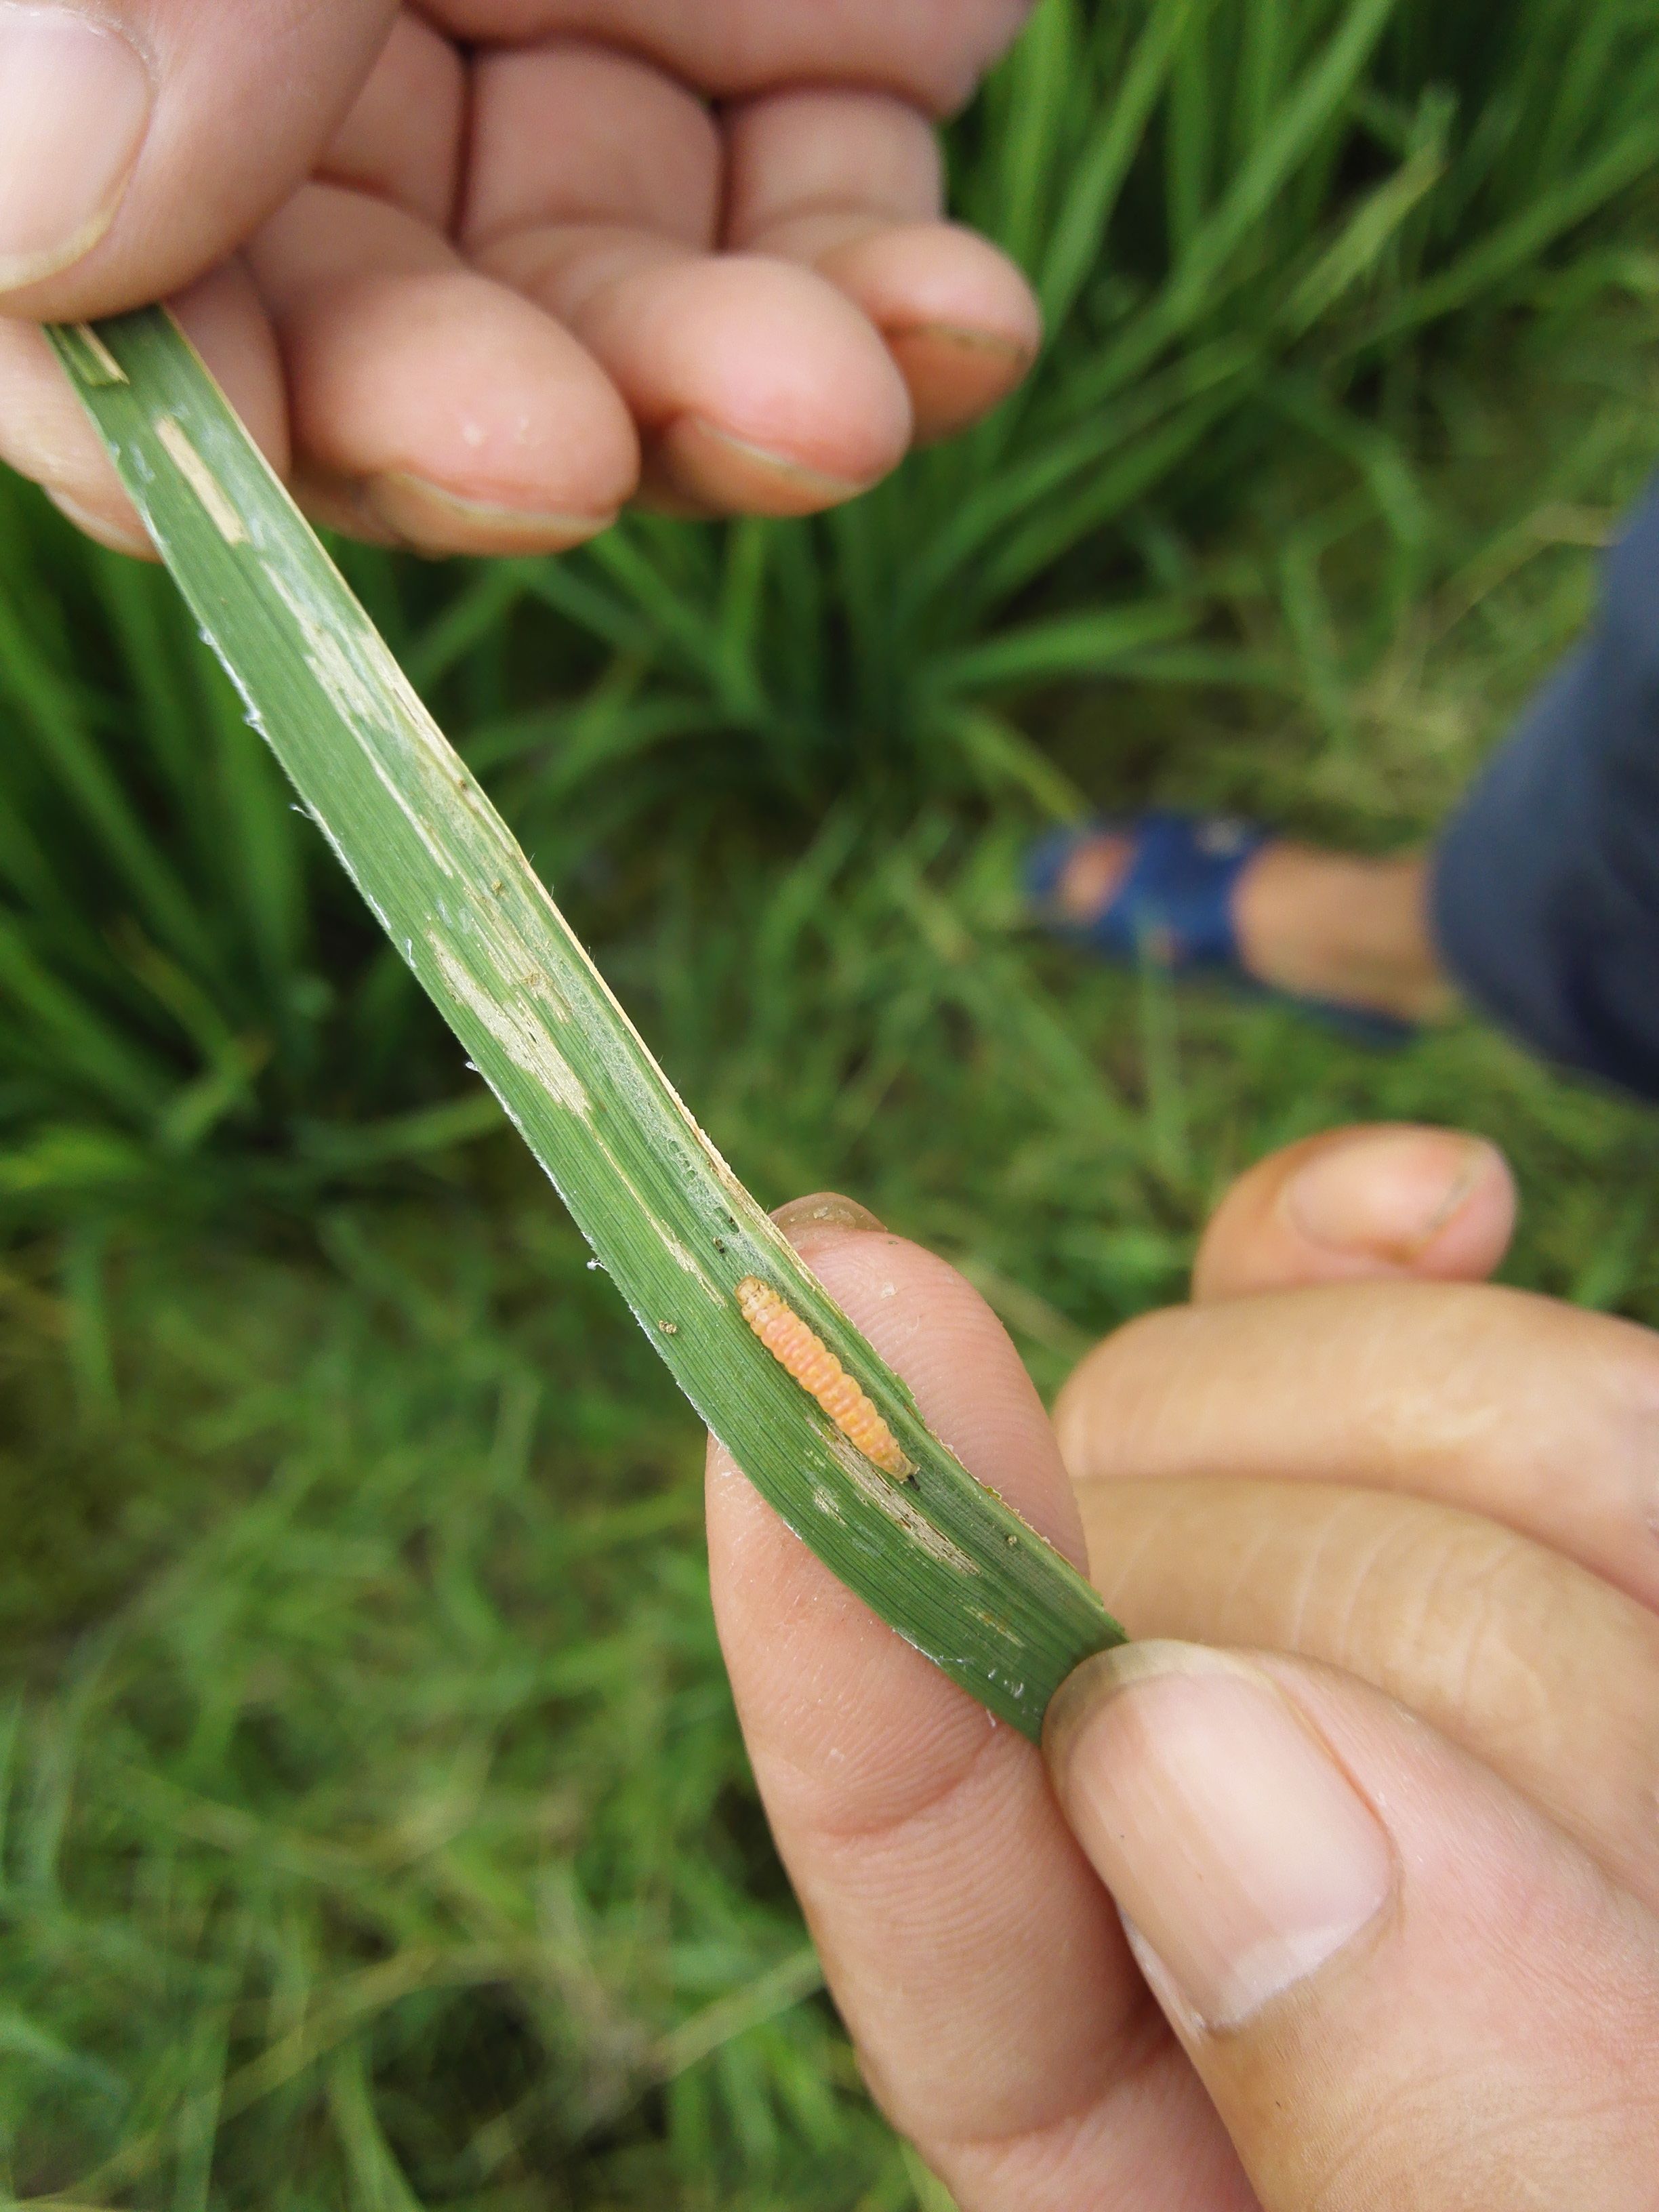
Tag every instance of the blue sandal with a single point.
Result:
(1174, 907)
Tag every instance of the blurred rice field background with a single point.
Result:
(374, 1832)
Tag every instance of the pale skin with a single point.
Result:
(1378, 1798)
(478, 273)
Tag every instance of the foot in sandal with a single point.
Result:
(1344, 935)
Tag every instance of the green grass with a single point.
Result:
(373, 1829)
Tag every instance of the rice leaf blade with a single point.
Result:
(941, 1558)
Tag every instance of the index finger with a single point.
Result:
(976, 1960)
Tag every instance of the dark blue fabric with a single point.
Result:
(1546, 890)
(1174, 906)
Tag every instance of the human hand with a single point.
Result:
(1390, 1851)
(479, 272)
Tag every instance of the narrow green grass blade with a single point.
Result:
(97, 1053)
(1200, 278)
(1066, 645)
(951, 1567)
(1080, 230)
(1516, 243)
(48, 707)
(1044, 65)
(1188, 149)
(1354, 253)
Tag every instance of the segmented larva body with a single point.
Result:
(821, 1375)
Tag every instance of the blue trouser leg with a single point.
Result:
(1546, 889)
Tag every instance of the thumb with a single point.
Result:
(1369, 1203)
(1400, 1985)
(141, 140)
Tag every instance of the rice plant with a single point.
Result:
(1254, 229)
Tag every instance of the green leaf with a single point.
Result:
(936, 1554)
(1091, 644)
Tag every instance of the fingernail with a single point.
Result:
(992, 345)
(429, 518)
(75, 103)
(826, 1209)
(1235, 1846)
(705, 462)
(119, 539)
(1390, 1193)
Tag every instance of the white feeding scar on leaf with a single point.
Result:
(352, 692)
(202, 481)
(522, 1034)
(683, 1257)
(108, 366)
(894, 1502)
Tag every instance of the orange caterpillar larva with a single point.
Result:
(821, 1375)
